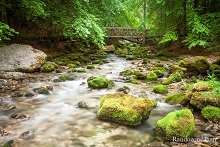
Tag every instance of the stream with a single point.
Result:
(56, 120)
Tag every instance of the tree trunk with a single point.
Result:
(184, 18)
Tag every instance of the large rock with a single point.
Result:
(196, 65)
(21, 58)
(125, 109)
(204, 93)
(178, 124)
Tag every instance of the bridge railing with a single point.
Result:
(123, 32)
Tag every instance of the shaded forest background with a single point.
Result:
(191, 23)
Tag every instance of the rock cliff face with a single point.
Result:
(17, 57)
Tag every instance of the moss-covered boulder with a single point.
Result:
(175, 68)
(72, 65)
(41, 90)
(131, 57)
(202, 86)
(152, 76)
(196, 65)
(177, 98)
(80, 70)
(134, 81)
(90, 66)
(159, 71)
(178, 124)
(211, 113)
(140, 75)
(49, 67)
(121, 52)
(204, 93)
(174, 77)
(65, 77)
(161, 89)
(96, 61)
(126, 73)
(125, 109)
(99, 82)
(146, 61)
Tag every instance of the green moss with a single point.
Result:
(159, 71)
(145, 61)
(215, 69)
(122, 52)
(204, 93)
(49, 67)
(66, 77)
(134, 81)
(177, 124)
(175, 68)
(125, 109)
(197, 64)
(174, 77)
(202, 99)
(77, 63)
(176, 99)
(9, 143)
(71, 70)
(211, 113)
(90, 66)
(140, 75)
(124, 89)
(202, 86)
(126, 73)
(41, 90)
(162, 89)
(152, 76)
(131, 57)
(72, 65)
(100, 82)
(97, 61)
(80, 70)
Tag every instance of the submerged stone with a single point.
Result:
(41, 90)
(124, 89)
(125, 109)
(178, 124)
(140, 75)
(126, 73)
(65, 77)
(90, 66)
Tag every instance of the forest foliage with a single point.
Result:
(193, 22)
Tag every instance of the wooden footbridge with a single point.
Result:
(126, 33)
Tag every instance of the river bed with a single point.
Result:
(55, 120)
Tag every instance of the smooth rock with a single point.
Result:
(21, 57)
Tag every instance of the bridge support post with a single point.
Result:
(144, 25)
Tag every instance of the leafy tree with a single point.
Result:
(6, 32)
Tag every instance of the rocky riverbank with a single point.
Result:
(63, 96)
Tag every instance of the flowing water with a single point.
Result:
(55, 119)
